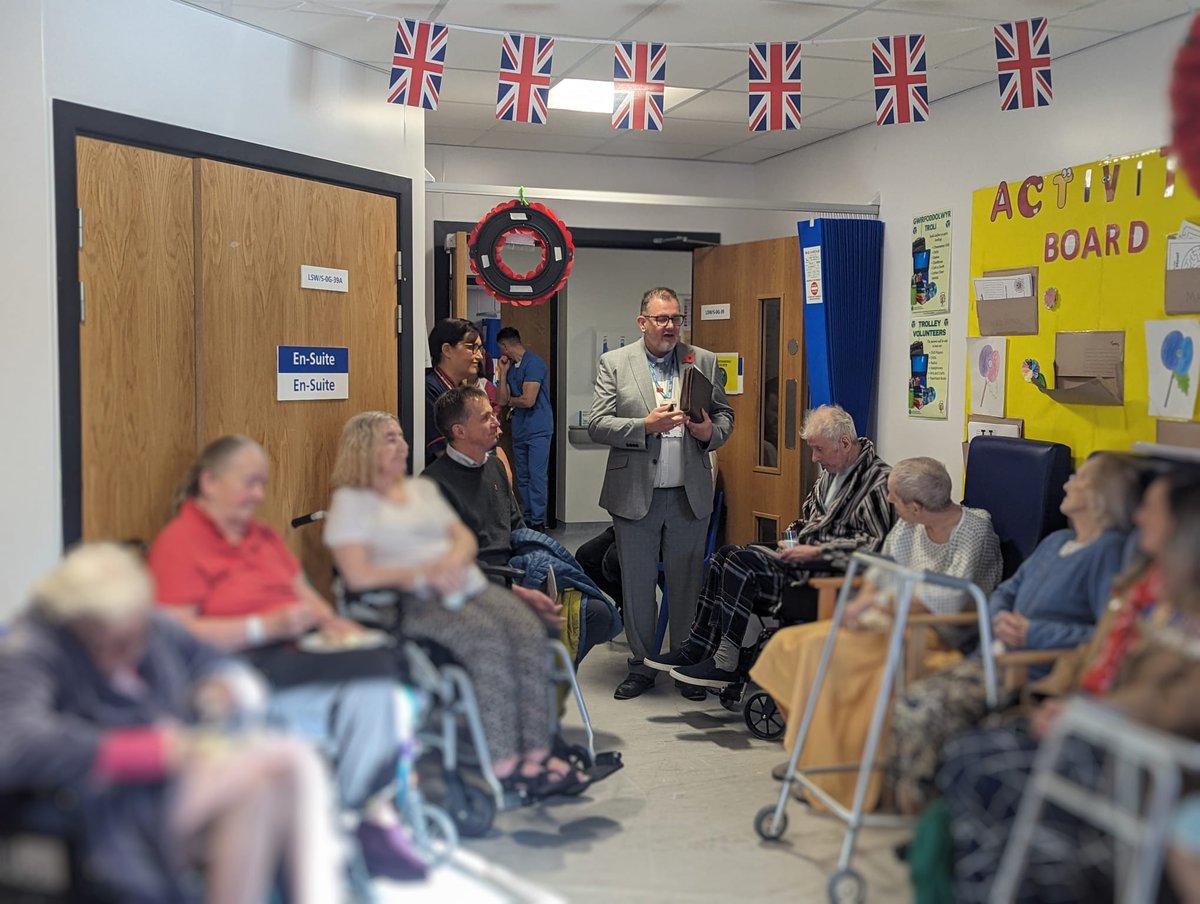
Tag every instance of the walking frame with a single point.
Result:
(845, 884)
(1140, 831)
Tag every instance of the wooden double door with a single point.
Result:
(190, 280)
(763, 465)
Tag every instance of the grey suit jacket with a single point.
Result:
(623, 397)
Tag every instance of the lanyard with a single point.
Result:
(665, 393)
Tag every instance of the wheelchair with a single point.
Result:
(433, 670)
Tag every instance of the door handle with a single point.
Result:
(789, 415)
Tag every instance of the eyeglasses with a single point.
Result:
(664, 319)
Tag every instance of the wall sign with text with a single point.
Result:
(306, 372)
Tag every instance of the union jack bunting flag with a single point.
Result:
(524, 78)
(639, 82)
(1023, 64)
(901, 79)
(417, 63)
(774, 86)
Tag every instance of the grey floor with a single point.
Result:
(676, 824)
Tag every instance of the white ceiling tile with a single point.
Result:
(1123, 16)
(691, 131)
(727, 106)
(666, 150)
(990, 10)
(712, 21)
(435, 133)
(947, 80)
(455, 115)
(698, 68)
(742, 153)
(827, 77)
(785, 140)
(849, 114)
(560, 144)
(467, 87)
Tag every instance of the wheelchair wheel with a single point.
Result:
(732, 696)
(762, 823)
(441, 836)
(763, 717)
(846, 887)
(472, 809)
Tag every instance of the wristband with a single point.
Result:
(254, 630)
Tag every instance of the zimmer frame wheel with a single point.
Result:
(762, 823)
(847, 887)
(763, 717)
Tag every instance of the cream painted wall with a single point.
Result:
(603, 296)
(174, 64)
(968, 144)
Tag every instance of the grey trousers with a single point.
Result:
(354, 723)
(670, 532)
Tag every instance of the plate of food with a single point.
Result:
(367, 639)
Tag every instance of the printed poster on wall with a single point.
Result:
(985, 363)
(929, 375)
(1172, 363)
(929, 289)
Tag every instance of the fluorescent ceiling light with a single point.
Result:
(587, 95)
(582, 94)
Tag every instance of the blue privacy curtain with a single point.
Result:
(842, 262)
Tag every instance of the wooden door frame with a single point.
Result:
(72, 121)
(581, 237)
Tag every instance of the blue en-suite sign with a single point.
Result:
(312, 372)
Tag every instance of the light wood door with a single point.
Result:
(257, 229)
(137, 336)
(533, 322)
(761, 465)
(460, 265)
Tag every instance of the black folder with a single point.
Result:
(696, 395)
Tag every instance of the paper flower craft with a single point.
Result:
(1032, 372)
(1176, 353)
(989, 368)
(1050, 299)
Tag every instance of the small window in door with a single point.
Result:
(768, 397)
(766, 528)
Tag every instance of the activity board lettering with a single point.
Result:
(1098, 184)
(309, 373)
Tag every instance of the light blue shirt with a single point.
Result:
(665, 375)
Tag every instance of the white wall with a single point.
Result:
(603, 295)
(1107, 100)
(174, 64)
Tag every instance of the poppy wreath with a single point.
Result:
(528, 221)
(1185, 104)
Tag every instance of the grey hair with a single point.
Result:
(923, 480)
(830, 422)
(1115, 490)
(659, 292)
(101, 581)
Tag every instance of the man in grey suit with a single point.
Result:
(658, 484)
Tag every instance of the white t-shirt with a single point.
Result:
(396, 534)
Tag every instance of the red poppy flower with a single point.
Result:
(689, 358)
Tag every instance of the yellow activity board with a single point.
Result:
(1097, 235)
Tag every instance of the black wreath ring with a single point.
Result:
(531, 220)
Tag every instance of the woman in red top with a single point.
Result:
(234, 583)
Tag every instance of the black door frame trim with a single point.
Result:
(75, 120)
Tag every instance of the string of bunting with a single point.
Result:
(900, 73)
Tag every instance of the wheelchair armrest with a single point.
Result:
(1015, 666)
(955, 618)
(501, 571)
(827, 593)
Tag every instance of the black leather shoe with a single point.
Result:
(691, 691)
(634, 685)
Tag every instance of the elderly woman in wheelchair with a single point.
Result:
(101, 699)
(231, 580)
(387, 531)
